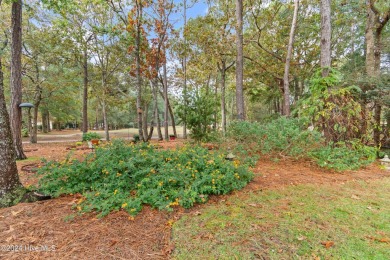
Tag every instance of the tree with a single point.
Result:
(9, 178)
(240, 63)
(376, 21)
(325, 37)
(16, 78)
(286, 85)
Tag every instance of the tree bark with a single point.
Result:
(325, 37)
(240, 63)
(138, 70)
(105, 121)
(223, 95)
(185, 90)
(9, 178)
(374, 27)
(16, 79)
(286, 85)
(85, 91)
(165, 87)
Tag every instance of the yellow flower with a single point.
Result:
(160, 183)
(115, 192)
(124, 205)
(132, 210)
(118, 174)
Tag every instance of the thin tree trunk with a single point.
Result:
(185, 90)
(9, 178)
(105, 121)
(286, 87)
(165, 85)
(16, 79)
(44, 120)
(325, 37)
(239, 63)
(223, 93)
(145, 122)
(37, 102)
(49, 126)
(156, 117)
(138, 70)
(85, 92)
(160, 136)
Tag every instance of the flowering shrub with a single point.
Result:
(126, 176)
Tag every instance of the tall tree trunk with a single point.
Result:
(170, 110)
(138, 70)
(286, 86)
(85, 92)
(37, 102)
(105, 121)
(165, 85)
(240, 63)
(325, 37)
(160, 136)
(16, 79)
(49, 126)
(44, 113)
(155, 109)
(145, 122)
(223, 95)
(9, 178)
(374, 27)
(172, 119)
(185, 90)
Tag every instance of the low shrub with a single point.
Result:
(90, 135)
(284, 135)
(120, 175)
(290, 137)
(344, 156)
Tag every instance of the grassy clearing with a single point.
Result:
(292, 223)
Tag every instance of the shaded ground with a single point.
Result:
(52, 223)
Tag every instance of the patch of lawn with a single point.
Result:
(350, 221)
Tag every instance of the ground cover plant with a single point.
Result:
(291, 137)
(343, 221)
(120, 175)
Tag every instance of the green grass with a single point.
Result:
(291, 223)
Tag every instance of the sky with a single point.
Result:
(197, 9)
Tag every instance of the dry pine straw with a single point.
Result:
(118, 236)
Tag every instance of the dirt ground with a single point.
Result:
(46, 229)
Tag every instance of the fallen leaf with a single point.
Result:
(384, 240)
(15, 213)
(169, 249)
(197, 213)
(255, 205)
(327, 244)
(355, 197)
(370, 208)
(113, 242)
(301, 238)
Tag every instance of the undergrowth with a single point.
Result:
(126, 176)
(290, 137)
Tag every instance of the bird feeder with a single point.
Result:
(28, 105)
(385, 162)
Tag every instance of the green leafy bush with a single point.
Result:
(344, 156)
(90, 135)
(25, 132)
(283, 135)
(120, 175)
(290, 137)
(198, 113)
